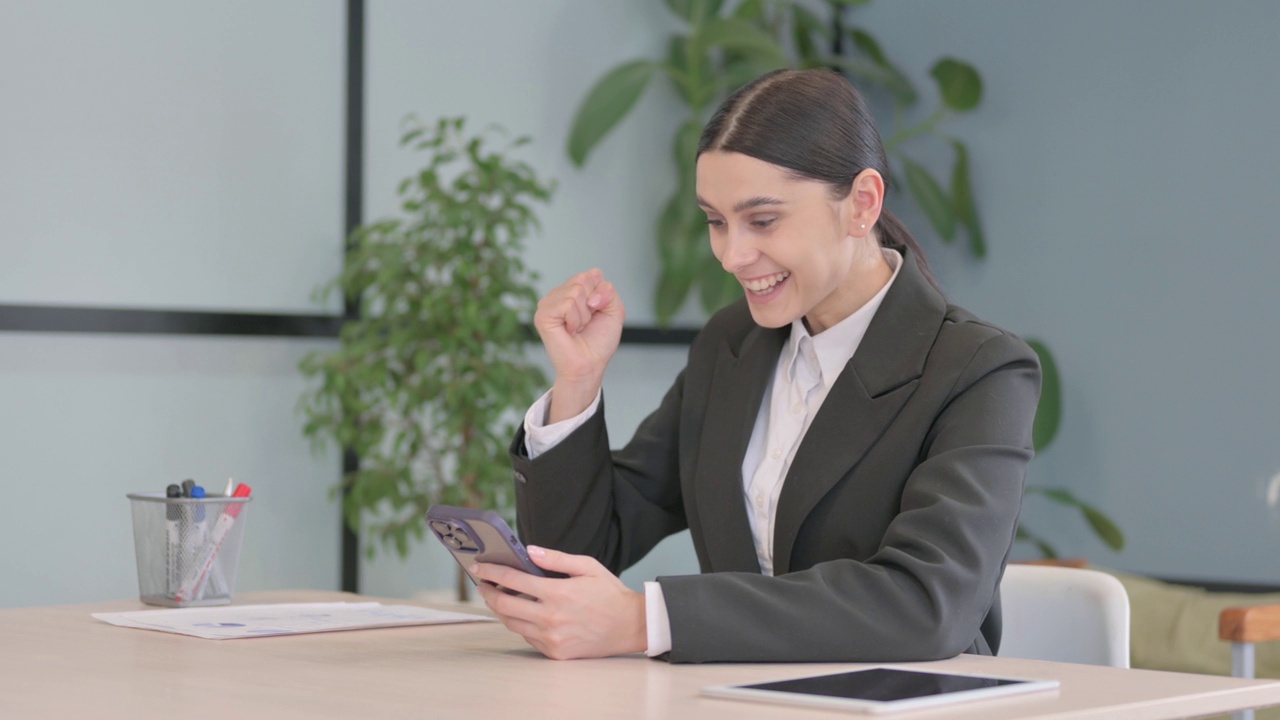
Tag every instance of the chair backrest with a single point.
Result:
(1064, 614)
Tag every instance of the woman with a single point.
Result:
(847, 449)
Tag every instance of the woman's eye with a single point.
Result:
(713, 222)
(763, 223)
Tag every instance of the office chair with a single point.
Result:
(1064, 614)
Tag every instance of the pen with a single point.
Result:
(173, 574)
(195, 578)
(231, 486)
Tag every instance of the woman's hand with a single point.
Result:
(586, 615)
(580, 324)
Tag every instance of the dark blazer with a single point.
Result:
(896, 516)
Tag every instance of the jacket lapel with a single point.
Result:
(737, 389)
(865, 398)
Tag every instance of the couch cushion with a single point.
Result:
(1175, 627)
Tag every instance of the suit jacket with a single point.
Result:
(896, 516)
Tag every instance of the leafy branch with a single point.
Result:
(428, 380)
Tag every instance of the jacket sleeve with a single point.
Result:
(924, 593)
(580, 498)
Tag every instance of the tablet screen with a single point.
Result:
(882, 689)
(883, 684)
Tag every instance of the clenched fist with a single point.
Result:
(580, 324)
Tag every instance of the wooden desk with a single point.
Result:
(58, 662)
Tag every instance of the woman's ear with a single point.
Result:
(865, 201)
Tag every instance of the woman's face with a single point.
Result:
(786, 240)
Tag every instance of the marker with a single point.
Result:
(186, 532)
(231, 486)
(216, 586)
(173, 574)
(195, 579)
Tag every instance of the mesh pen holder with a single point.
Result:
(187, 548)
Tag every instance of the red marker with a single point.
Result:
(199, 572)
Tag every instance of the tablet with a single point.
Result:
(882, 689)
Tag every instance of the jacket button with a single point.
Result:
(520, 477)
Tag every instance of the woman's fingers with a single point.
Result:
(589, 614)
(561, 562)
(516, 580)
(580, 323)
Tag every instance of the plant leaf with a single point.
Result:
(677, 67)
(673, 241)
(959, 83)
(929, 195)
(1058, 495)
(1049, 412)
(695, 11)
(749, 10)
(733, 33)
(1104, 528)
(804, 27)
(671, 292)
(607, 103)
(1046, 550)
(962, 201)
(686, 151)
(897, 83)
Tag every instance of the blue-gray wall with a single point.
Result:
(1124, 163)
(1127, 168)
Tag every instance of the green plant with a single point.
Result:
(721, 49)
(429, 380)
(1045, 428)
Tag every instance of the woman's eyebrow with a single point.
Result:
(747, 204)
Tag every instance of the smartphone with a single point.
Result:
(473, 536)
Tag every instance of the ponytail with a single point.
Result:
(893, 234)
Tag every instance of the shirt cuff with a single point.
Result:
(539, 437)
(657, 624)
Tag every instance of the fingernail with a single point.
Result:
(473, 569)
(594, 301)
(536, 551)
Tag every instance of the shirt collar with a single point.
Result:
(836, 345)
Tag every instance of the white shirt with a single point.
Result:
(806, 369)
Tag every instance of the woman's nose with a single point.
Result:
(739, 252)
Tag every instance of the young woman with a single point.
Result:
(847, 449)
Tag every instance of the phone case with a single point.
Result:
(473, 536)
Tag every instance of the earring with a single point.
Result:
(863, 226)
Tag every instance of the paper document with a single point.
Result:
(242, 621)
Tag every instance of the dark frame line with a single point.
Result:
(352, 216)
(122, 321)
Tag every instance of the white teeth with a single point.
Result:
(764, 284)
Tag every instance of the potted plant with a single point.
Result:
(431, 376)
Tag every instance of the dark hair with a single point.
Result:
(815, 124)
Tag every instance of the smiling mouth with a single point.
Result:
(763, 285)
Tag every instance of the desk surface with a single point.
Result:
(59, 662)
